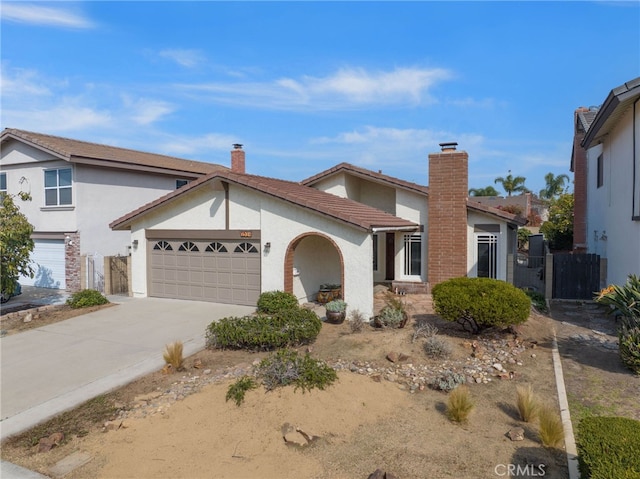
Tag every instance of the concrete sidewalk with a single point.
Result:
(48, 370)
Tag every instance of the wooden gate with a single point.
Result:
(576, 276)
(118, 277)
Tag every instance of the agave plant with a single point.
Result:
(625, 300)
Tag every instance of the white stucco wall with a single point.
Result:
(474, 218)
(611, 232)
(279, 223)
(100, 195)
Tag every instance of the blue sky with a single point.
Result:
(307, 85)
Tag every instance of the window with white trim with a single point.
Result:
(57, 187)
(412, 254)
(487, 255)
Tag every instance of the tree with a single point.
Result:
(512, 184)
(488, 191)
(16, 244)
(558, 229)
(554, 186)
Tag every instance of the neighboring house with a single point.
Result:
(229, 236)
(530, 206)
(77, 188)
(607, 181)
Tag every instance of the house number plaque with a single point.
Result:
(245, 234)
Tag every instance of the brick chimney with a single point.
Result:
(237, 159)
(447, 211)
(579, 169)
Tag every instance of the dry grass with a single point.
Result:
(173, 355)
(459, 405)
(527, 403)
(551, 430)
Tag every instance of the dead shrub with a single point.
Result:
(526, 402)
(459, 404)
(356, 321)
(551, 430)
(173, 355)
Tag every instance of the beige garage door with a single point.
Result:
(221, 271)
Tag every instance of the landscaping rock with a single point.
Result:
(516, 434)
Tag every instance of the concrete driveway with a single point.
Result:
(48, 370)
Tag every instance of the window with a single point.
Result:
(245, 248)
(600, 179)
(57, 187)
(3, 183)
(163, 246)
(181, 183)
(412, 255)
(487, 256)
(375, 252)
(188, 246)
(216, 247)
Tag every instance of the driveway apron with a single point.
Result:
(48, 370)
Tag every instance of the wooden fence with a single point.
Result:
(575, 276)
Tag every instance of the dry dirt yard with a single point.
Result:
(378, 415)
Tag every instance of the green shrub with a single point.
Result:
(272, 302)
(263, 332)
(86, 298)
(237, 390)
(609, 447)
(479, 303)
(336, 306)
(538, 300)
(629, 341)
(286, 367)
(624, 300)
(391, 317)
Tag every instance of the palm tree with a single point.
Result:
(512, 184)
(555, 186)
(488, 191)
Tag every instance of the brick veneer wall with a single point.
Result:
(72, 262)
(447, 228)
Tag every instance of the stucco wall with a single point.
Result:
(472, 253)
(611, 232)
(280, 223)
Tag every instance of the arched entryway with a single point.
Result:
(312, 259)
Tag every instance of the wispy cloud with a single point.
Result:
(20, 81)
(35, 14)
(199, 145)
(185, 58)
(145, 111)
(346, 88)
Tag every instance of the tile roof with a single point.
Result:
(77, 151)
(618, 101)
(390, 180)
(369, 174)
(342, 209)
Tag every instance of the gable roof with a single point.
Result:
(616, 104)
(407, 185)
(377, 177)
(342, 209)
(76, 151)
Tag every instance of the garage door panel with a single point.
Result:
(48, 263)
(226, 272)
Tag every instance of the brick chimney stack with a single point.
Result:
(237, 159)
(579, 169)
(447, 212)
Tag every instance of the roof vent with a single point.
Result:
(237, 146)
(450, 146)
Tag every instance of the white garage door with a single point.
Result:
(223, 271)
(47, 261)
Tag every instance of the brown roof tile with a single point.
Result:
(341, 209)
(111, 156)
(369, 174)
